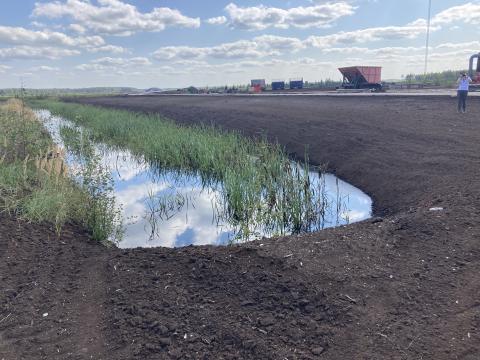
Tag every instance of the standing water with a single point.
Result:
(172, 209)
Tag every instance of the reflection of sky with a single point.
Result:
(138, 190)
(355, 205)
(193, 221)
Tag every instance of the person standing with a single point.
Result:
(462, 92)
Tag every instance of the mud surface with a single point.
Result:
(404, 285)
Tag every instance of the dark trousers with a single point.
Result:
(462, 100)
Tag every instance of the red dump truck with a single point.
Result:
(362, 77)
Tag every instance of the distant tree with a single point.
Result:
(65, 92)
(322, 84)
(443, 78)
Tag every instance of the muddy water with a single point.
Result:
(172, 209)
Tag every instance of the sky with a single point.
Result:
(168, 44)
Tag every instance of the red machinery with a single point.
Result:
(362, 77)
(474, 71)
(258, 85)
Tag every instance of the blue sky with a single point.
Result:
(146, 43)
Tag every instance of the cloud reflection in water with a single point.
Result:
(171, 209)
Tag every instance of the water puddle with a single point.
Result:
(174, 209)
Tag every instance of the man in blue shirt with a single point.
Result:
(462, 92)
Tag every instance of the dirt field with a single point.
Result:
(403, 285)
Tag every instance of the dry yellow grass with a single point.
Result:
(52, 162)
(17, 107)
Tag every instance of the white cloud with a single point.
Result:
(279, 42)
(23, 74)
(219, 20)
(260, 46)
(395, 60)
(57, 43)
(77, 28)
(262, 17)
(411, 59)
(38, 24)
(374, 51)
(45, 68)
(108, 48)
(90, 67)
(4, 68)
(465, 45)
(242, 49)
(22, 36)
(110, 64)
(267, 45)
(248, 67)
(190, 62)
(31, 52)
(367, 35)
(180, 52)
(239, 50)
(114, 16)
(124, 62)
(467, 13)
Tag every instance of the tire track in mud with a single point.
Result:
(52, 293)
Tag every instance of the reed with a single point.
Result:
(261, 187)
(33, 178)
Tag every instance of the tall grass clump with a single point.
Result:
(94, 178)
(259, 183)
(34, 181)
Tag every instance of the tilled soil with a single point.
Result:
(403, 285)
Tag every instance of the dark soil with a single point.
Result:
(403, 285)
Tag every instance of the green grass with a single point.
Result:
(259, 184)
(33, 183)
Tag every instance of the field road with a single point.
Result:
(341, 93)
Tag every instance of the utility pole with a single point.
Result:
(428, 41)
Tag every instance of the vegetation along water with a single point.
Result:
(263, 191)
(33, 178)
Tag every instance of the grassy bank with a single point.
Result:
(34, 182)
(259, 184)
